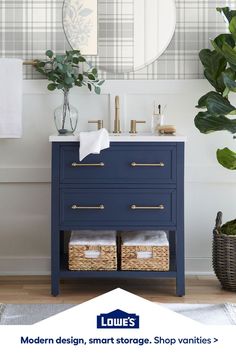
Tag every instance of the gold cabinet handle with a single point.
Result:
(100, 164)
(135, 164)
(158, 207)
(78, 207)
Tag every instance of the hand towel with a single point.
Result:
(93, 142)
(11, 80)
(93, 238)
(145, 238)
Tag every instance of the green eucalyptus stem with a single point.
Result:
(66, 107)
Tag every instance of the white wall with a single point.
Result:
(25, 168)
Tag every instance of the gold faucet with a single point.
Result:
(117, 116)
(133, 125)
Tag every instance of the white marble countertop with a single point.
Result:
(146, 137)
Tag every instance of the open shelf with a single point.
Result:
(66, 273)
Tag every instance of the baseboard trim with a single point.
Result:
(24, 266)
(19, 266)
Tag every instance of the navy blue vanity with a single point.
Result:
(134, 185)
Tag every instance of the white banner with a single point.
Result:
(115, 322)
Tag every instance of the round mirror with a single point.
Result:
(121, 35)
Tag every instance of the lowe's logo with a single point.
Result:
(118, 319)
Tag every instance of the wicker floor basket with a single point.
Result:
(131, 255)
(224, 256)
(90, 257)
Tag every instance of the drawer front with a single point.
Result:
(122, 207)
(136, 163)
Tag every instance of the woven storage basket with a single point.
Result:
(224, 256)
(93, 250)
(138, 253)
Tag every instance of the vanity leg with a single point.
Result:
(180, 276)
(55, 263)
(55, 285)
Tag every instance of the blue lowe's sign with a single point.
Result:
(118, 319)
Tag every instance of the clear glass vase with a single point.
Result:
(66, 117)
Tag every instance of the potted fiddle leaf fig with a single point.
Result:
(218, 114)
(220, 71)
(64, 72)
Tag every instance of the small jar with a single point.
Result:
(157, 121)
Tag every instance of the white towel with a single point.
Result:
(93, 238)
(93, 142)
(145, 238)
(11, 80)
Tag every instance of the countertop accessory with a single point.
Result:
(92, 250)
(64, 72)
(167, 129)
(133, 125)
(157, 117)
(144, 250)
(93, 142)
(98, 122)
(117, 129)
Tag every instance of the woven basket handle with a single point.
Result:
(218, 224)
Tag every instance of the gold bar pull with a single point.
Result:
(134, 164)
(158, 207)
(100, 164)
(78, 207)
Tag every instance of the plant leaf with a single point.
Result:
(52, 87)
(49, 53)
(229, 53)
(97, 90)
(202, 103)
(101, 82)
(82, 59)
(60, 58)
(209, 123)
(214, 64)
(220, 40)
(232, 27)
(229, 81)
(226, 12)
(69, 80)
(216, 104)
(227, 158)
(91, 77)
(76, 60)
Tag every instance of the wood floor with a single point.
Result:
(36, 289)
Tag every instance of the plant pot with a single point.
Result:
(66, 116)
(224, 256)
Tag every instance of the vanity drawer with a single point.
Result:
(122, 207)
(121, 163)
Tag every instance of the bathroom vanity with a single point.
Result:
(136, 184)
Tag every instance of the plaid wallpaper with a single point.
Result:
(29, 27)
